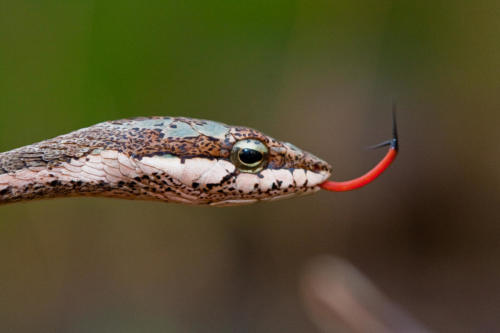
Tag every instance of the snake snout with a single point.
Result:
(316, 164)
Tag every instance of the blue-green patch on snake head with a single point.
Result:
(212, 129)
(180, 129)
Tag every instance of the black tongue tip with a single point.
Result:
(395, 140)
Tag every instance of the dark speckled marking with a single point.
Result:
(145, 137)
(141, 137)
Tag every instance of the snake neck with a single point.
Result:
(34, 172)
(41, 172)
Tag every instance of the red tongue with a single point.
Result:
(363, 180)
(373, 173)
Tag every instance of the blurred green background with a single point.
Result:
(320, 74)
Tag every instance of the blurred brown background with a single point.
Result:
(320, 74)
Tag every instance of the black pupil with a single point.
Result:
(250, 156)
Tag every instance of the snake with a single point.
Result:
(169, 159)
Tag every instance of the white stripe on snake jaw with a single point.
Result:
(159, 158)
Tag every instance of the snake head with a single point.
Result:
(265, 169)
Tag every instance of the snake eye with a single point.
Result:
(249, 155)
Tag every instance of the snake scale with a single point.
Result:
(170, 159)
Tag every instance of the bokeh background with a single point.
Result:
(320, 74)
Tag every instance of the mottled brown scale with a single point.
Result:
(138, 140)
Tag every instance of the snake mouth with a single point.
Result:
(271, 185)
(275, 185)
